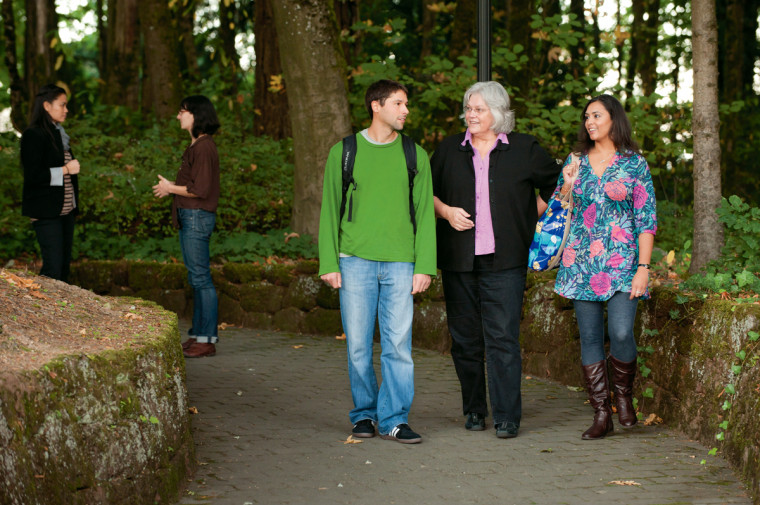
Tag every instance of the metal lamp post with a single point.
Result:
(484, 40)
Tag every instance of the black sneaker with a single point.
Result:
(364, 429)
(475, 422)
(507, 429)
(404, 434)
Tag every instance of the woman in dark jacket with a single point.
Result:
(484, 182)
(51, 186)
(196, 196)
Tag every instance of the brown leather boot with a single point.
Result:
(599, 396)
(622, 384)
(187, 343)
(199, 350)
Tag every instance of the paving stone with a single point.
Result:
(273, 421)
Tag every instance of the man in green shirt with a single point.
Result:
(373, 255)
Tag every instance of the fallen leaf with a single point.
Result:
(131, 316)
(193, 410)
(39, 295)
(224, 326)
(83, 332)
(670, 258)
(297, 346)
(253, 167)
(624, 482)
(528, 377)
(653, 419)
(289, 236)
(341, 337)
(117, 156)
(352, 440)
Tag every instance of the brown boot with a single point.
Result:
(622, 384)
(187, 343)
(599, 396)
(198, 350)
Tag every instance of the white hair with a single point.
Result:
(497, 99)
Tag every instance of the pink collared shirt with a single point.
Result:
(484, 239)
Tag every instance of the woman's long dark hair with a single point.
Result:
(40, 117)
(620, 132)
(205, 119)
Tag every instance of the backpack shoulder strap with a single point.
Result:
(410, 153)
(347, 168)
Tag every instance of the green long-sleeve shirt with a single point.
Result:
(380, 227)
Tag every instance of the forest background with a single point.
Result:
(282, 109)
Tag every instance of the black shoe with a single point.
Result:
(507, 429)
(404, 434)
(364, 429)
(475, 422)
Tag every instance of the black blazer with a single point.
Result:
(515, 171)
(40, 153)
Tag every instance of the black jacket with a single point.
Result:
(40, 153)
(516, 170)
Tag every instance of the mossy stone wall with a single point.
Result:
(110, 428)
(691, 365)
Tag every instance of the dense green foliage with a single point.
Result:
(738, 268)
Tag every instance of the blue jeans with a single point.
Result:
(483, 309)
(195, 230)
(379, 290)
(621, 315)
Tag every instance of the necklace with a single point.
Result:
(608, 157)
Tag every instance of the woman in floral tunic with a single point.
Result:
(608, 251)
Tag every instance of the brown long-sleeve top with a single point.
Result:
(199, 173)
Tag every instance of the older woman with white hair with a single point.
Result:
(484, 182)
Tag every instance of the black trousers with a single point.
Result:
(483, 308)
(55, 237)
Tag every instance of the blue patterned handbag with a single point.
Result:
(551, 233)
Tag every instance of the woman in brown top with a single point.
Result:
(196, 194)
(51, 187)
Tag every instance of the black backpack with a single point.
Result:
(348, 157)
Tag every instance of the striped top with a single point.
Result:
(69, 202)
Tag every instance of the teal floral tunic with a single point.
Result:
(601, 255)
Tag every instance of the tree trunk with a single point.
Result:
(228, 56)
(16, 85)
(578, 52)
(186, 31)
(518, 13)
(162, 81)
(122, 62)
(102, 41)
(708, 231)
(347, 13)
(427, 27)
(272, 117)
(315, 75)
(463, 29)
(40, 59)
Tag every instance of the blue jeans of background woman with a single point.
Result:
(196, 226)
(483, 308)
(621, 314)
(56, 238)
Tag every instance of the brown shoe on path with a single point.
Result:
(198, 350)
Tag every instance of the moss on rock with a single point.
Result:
(261, 297)
(104, 428)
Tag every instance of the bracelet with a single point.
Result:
(645, 265)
